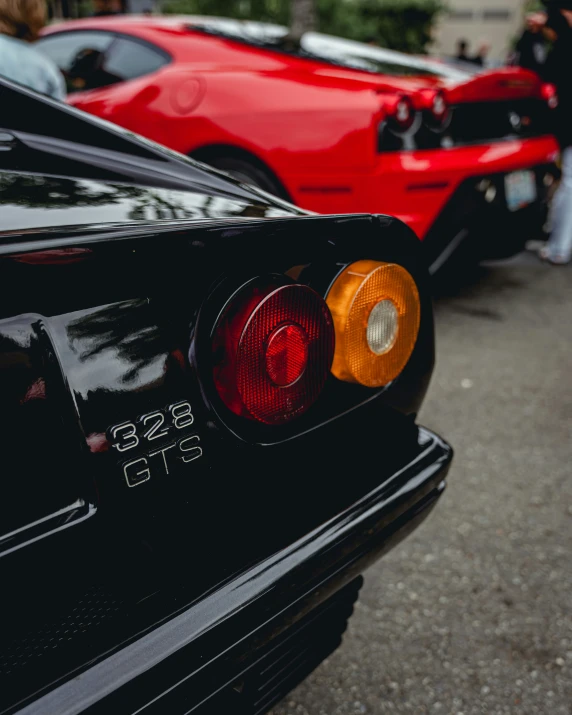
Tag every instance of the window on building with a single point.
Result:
(461, 14)
(497, 14)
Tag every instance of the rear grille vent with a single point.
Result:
(484, 121)
(88, 613)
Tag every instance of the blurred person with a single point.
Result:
(556, 25)
(481, 56)
(83, 72)
(20, 23)
(531, 50)
(462, 48)
(478, 59)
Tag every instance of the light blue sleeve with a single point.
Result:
(22, 63)
(57, 84)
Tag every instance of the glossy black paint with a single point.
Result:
(296, 578)
(123, 471)
(53, 203)
(138, 337)
(43, 136)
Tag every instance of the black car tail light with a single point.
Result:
(377, 312)
(273, 347)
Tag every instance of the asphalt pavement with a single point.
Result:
(473, 612)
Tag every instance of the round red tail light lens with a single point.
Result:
(286, 354)
(400, 113)
(436, 110)
(273, 348)
(439, 107)
(549, 94)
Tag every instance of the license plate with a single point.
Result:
(520, 189)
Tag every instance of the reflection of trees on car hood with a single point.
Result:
(48, 192)
(82, 202)
(126, 330)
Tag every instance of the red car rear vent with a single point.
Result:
(273, 348)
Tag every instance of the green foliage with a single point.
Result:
(263, 10)
(397, 24)
(534, 6)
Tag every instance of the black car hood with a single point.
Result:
(31, 202)
(42, 137)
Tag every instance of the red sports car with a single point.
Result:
(334, 125)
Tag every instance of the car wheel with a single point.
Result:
(248, 173)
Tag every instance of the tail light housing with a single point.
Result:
(376, 312)
(400, 113)
(436, 110)
(273, 347)
(549, 94)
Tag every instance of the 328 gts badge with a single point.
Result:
(174, 421)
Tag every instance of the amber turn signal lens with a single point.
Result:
(376, 312)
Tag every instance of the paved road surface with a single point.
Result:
(473, 613)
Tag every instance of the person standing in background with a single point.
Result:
(20, 23)
(531, 50)
(462, 47)
(478, 59)
(556, 25)
(481, 56)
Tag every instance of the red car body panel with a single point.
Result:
(419, 184)
(312, 123)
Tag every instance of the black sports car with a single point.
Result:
(208, 404)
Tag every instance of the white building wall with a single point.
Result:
(496, 22)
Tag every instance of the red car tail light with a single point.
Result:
(439, 107)
(273, 347)
(400, 113)
(549, 94)
(435, 107)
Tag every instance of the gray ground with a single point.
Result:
(473, 613)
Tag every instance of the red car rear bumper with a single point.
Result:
(416, 186)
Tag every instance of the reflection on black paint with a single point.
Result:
(125, 329)
(32, 201)
(50, 193)
(37, 478)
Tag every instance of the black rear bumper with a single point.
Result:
(249, 641)
(476, 226)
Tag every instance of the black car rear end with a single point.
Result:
(164, 547)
